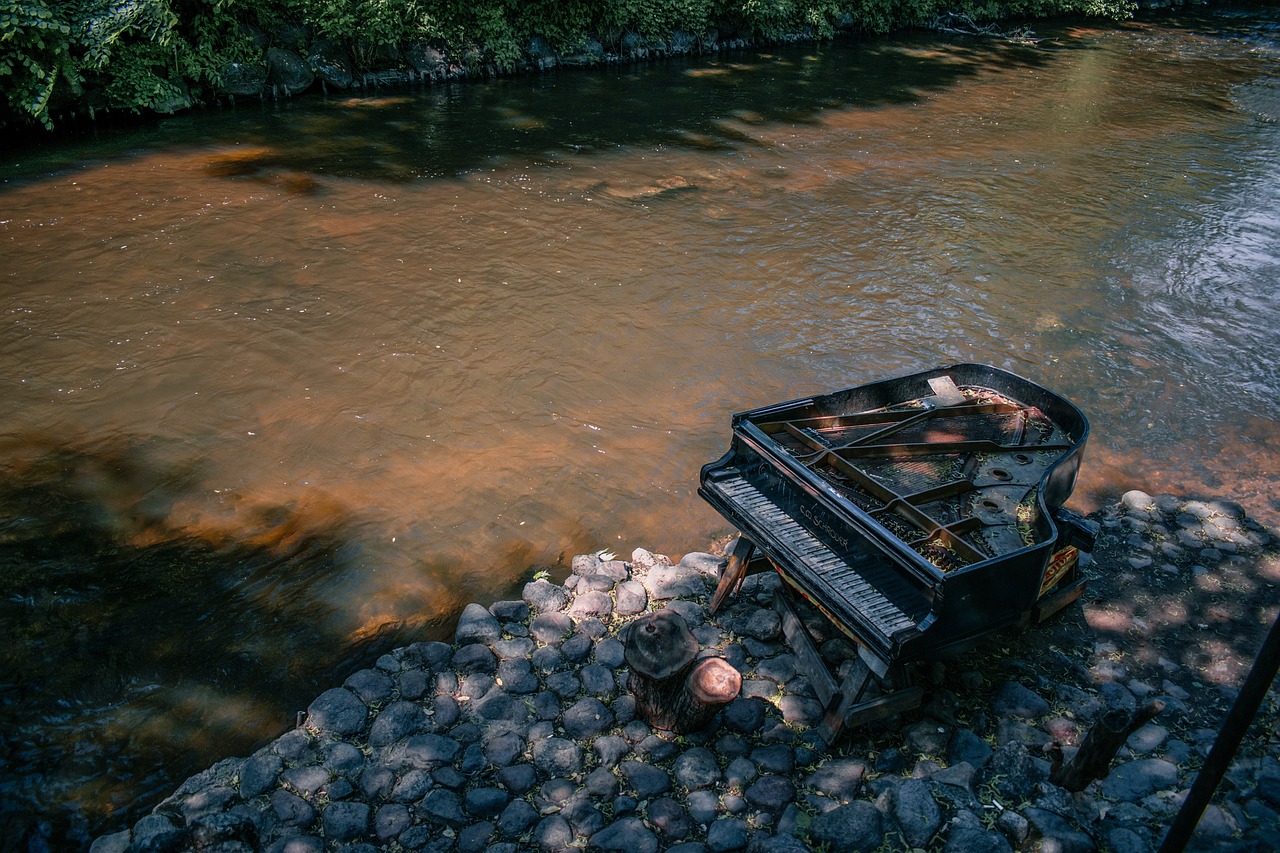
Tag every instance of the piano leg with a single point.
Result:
(733, 574)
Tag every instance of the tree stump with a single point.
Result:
(1100, 746)
(672, 691)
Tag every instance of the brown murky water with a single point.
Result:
(286, 386)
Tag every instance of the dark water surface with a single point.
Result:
(286, 386)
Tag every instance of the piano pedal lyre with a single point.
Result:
(869, 691)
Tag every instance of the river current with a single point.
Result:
(284, 385)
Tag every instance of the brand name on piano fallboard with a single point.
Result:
(824, 525)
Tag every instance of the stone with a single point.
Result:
(670, 818)
(1057, 833)
(777, 758)
(556, 756)
(760, 623)
(346, 821)
(666, 582)
(553, 833)
(727, 833)
(593, 603)
(484, 802)
(1015, 700)
(510, 611)
(475, 838)
(519, 779)
(696, 769)
(396, 721)
(516, 818)
(391, 820)
(443, 806)
(1133, 780)
(916, 811)
(856, 826)
(740, 772)
(626, 834)
(610, 653)
(476, 625)
(645, 779)
(771, 793)
(745, 715)
(516, 648)
(337, 711)
(475, 658)
(243, 78)
(543, 597)
(258, 774)
(598, 681)
(630, 598)
(306, 779)
(968, 747)
(839, 778)
(288, 71)
(289, 808)
(550, 627)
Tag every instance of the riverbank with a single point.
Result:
(522, 735)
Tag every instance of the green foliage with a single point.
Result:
(162, 54)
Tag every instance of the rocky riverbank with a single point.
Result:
(521, 734)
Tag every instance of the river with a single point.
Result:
(285, 385)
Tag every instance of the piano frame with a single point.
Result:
(919, 514)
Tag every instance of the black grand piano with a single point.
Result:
(919, 513)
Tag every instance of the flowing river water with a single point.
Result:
(286, 385)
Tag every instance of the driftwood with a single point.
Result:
(673, 690)
(1093, 760)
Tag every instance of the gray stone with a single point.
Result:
(306, 779)
(543, 597)
(627, 834)
(740, 772)
(708, 565)
(258, 774)
(576, 649)
(395, 722)
(289, 808)
(516, 818)
(670, 818)
(116, 842)
(916, 811)
(1012, 773)
(557, 757)
(551, 627)
(696, 769)
(1133, 780)
(1057, 833)
(761, 623)
(519, 779)
(475, 658)
(476, 625)
(856, 826)
(474, 838)
(744, 715)
(1147, 738)
(392, 820)
(645, 779)
(800, 710)
(346, 821)
(592, 603)
(553, 833)
(630, 598)
(337, 711)
(485, 802)
(665, 582)
(288, 71)
(598, 681)
(442, 806)
(1015, 700)
(244, 78)
(610, 749)
(771, 793)
(840, 779)
(424, 752)
(777, 758)
(727, 833)
(926, 737)
(516, 676)
(412, 786)
(610, 652)
(566, 685)
(968, 747)
(510, 611)
(516, 648)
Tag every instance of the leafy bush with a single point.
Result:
(162, 54)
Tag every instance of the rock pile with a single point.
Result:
(521, 734)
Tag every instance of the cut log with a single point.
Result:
(659, 651)
(1093, 760)
(671, 691)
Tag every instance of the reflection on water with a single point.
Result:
(287, 387)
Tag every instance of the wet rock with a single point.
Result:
(840, 779)
(346, 821)
(856, 826)
(288, 71)
(1015, 700)
(338, 712)
(543, 597)
(244, 78)
(628, 834)
(916, 811)
(1133, 780)
(476, 625)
